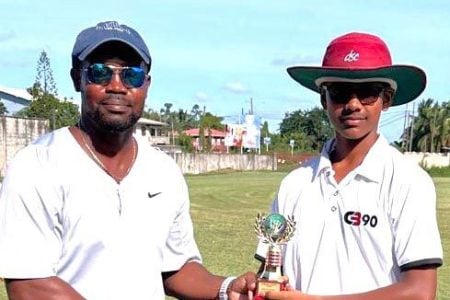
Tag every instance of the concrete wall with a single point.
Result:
(195, 163)
(16, 133)
(428, 160)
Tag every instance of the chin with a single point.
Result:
(354, 134)
(116, 124)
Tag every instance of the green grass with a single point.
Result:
(443, 209)
(224, 207)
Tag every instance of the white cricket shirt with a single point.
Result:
(358, 235)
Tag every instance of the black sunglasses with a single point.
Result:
(367, 92)
(132, 77)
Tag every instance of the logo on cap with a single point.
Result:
(112, 25)
(351, 56)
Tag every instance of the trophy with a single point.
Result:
(274, 230)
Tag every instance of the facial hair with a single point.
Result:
(114, 126)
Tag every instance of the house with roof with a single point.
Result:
(217, 139)
(155, 132)
(14, 99)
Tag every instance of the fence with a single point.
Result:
(16, 133)
(197, 163)
(428, 160)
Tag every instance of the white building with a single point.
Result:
(157, 133)
(14, 99)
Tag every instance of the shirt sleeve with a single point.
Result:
(181, 247)
(417, 240)
(30, 240)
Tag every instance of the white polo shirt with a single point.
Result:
(358, 235)
(62, 215)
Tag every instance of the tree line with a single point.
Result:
(305, 130)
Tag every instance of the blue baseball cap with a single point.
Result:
(90, 38)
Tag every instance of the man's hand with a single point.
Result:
(243, 287)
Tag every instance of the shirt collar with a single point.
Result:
(324, 159)
(370, 167)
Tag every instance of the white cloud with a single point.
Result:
(201, 97)
(236, 87)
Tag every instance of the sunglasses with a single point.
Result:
(367, 93)
(132, 77)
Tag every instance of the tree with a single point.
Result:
(59, 113)
(165, 112)
(196, 113)
(207, 122)
(313, 125)
(265, 129)
(151, 114)
(3, 109)
(431, 129)
(44, 78)
(48, 106)
(45, 103)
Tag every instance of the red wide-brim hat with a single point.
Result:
(361, 57)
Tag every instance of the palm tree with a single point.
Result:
(431, 126)
(443, 126)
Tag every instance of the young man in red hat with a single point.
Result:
(366, 216)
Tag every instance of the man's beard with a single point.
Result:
(114, 126)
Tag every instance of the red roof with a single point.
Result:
(214, 133)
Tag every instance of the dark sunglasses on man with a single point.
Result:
(132, 77)
(366, 92)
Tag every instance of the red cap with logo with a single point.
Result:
(361, 57)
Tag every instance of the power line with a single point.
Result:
(385, 123)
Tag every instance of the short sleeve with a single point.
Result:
(180, 246)
(30, 239)
(417, 240)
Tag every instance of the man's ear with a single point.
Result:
(148, 81)
(76, 78)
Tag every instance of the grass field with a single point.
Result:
(224, 207)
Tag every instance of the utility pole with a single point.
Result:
(404, 134)
(412, 129)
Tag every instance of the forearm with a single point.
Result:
(415, 284)
(193, 281)
(396, 291)
(51, 288)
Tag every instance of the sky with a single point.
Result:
(226, 54)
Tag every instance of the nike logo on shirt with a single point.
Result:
(150, 195)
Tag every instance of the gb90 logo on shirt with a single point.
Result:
(356, 218)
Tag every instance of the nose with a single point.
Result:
(353, 102)
(116, 85)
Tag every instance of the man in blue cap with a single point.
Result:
(89, 212)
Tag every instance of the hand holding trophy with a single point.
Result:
(274, 230)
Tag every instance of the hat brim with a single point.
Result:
(410, 81)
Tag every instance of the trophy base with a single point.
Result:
(266, 285)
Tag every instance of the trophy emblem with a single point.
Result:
(274, 230)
